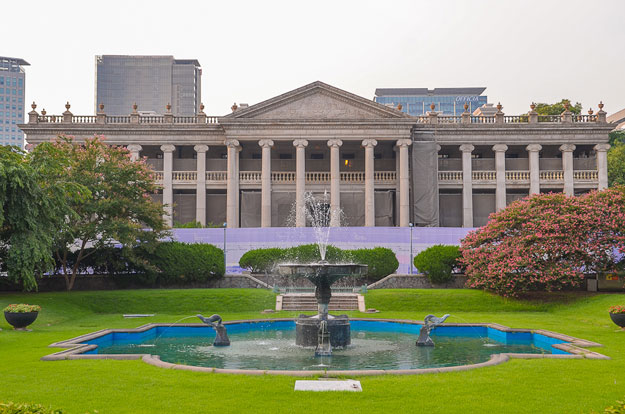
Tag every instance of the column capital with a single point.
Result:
(467, 148)
(201, 148)
(403, 143)
(334, 143)
(231, 143)
(534, 148)
(134, 148)
(601, 147)
(500, 148)
(168, 148)
(369, 143)
(300, 143)
(265, 143)
(567, 147)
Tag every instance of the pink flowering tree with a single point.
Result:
(119, 209)
(546, 242)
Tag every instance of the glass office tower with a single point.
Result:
(417, 101)
(12, 87)
(151, 82)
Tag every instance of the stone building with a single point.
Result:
(381, 166)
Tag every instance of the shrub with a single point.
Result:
(438, 262)
(381, 261)
(22, 308)
(546, 242)
(177, 262)
(261, 260)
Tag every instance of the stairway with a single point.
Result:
(307, 302)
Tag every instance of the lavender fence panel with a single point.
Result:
(238, 241)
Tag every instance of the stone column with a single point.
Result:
(602, 164)
(534, 165)
(500, 171)
(233, 178)
(300, 181)
(567, 167)
(134, 151)
(404, 182)
(335, 182)
(237, 185)
(265, 182)
(200, 180)
(467, 185)
(168, 187)
(369, 144)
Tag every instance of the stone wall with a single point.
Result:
(104, 282)
(396, 281)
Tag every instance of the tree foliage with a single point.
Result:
(119, 208)
(438, 262)
(35, 202)
(546, 242)
(616, 158)
(557, 108)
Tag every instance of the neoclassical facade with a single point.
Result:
(372, 164)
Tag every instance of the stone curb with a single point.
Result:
(76, 351)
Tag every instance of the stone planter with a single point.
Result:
(20, 320)
(618, 318)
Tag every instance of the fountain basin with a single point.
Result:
(378, 347)
(307, 330)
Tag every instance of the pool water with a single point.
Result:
(375, 345)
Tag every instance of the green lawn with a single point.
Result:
(518, 386)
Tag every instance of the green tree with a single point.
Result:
(119, 210)
(557, 108)
(35, 203)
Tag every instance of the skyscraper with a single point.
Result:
(417, 101)
(12, 87)
(151, 82)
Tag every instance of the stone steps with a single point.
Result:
(307, 302)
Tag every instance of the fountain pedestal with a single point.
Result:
(324, 331)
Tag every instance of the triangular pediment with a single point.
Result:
(317, 101)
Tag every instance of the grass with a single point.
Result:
(519, 386)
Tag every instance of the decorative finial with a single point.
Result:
(399, 107)
(43, 112)
(67, 105)
(465, 106)
(234, 107)
(533, 106)
(590, 111)
(101, 106)
(432, 106)
(566, 105)
(600, 105)
(34, 105)
(499, 106)
(134, 107)
(168, 106)
(202, 107)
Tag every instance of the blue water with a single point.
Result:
(375, 345)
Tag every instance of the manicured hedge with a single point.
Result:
(381, 261)
(438, 262)
(169, 263)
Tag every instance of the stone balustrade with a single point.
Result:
(518, 177)
(277, 177)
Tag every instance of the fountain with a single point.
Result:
(324, 331)
(221, 335)
(429, 322)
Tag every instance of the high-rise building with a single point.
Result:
(152, 82)
(12, 87)
(417, 101)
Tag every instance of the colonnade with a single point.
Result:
(232, 185)
(534, 172)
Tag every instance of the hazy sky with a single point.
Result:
(522, 51)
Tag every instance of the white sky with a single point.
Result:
(522, 51)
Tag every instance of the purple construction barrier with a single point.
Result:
(238, 241)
